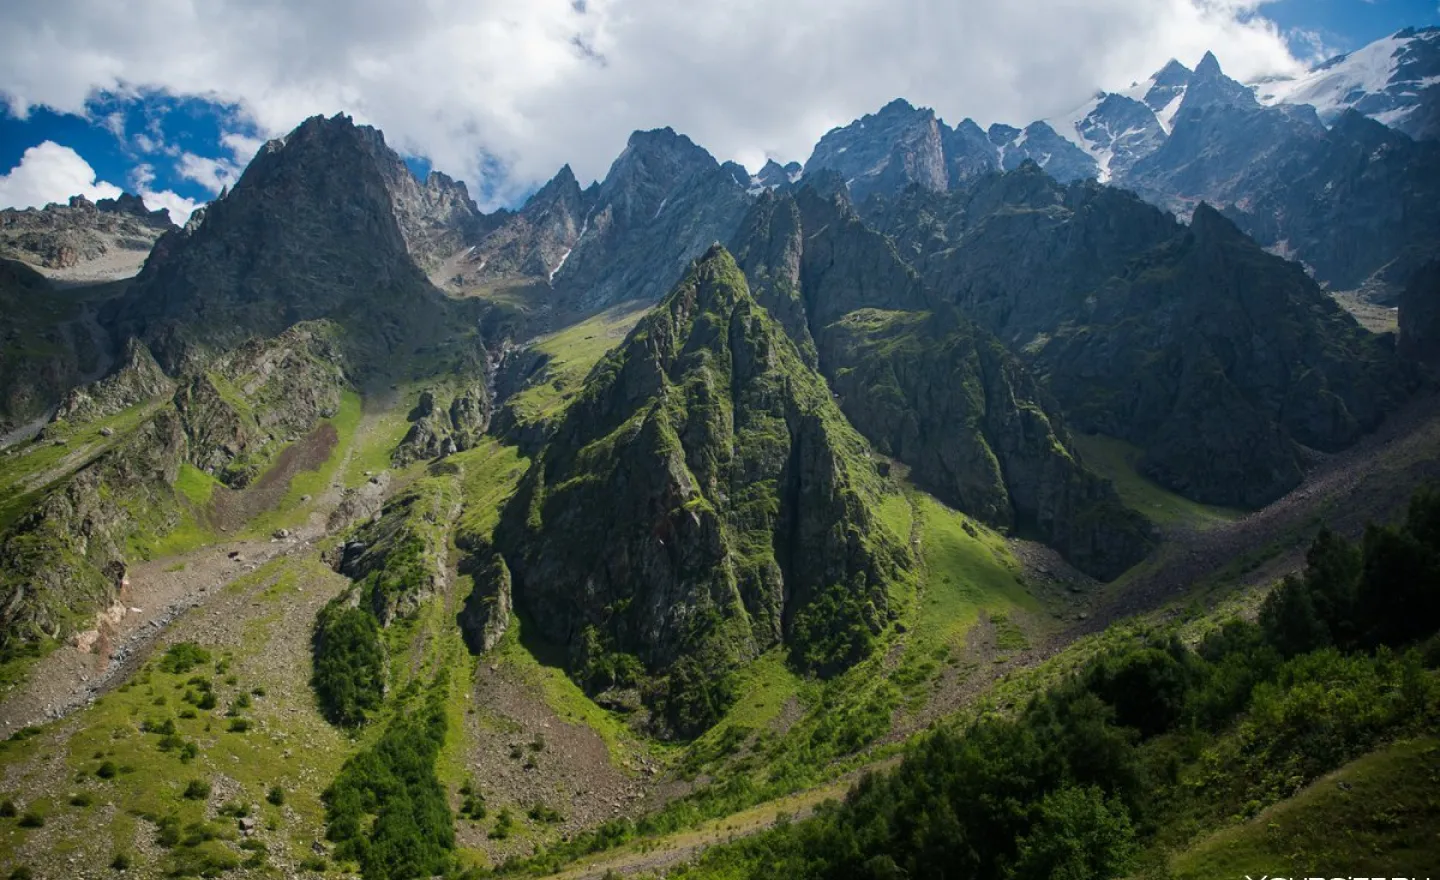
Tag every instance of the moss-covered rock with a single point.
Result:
(65, 558)
(698, 497)
(402, 558)
(436, 432)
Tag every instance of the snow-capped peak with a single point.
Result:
(1383, 80)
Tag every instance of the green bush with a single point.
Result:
(196, 790)
(349, 676)
(276, 795)
(183, 657)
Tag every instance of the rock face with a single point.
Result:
(486, 615)
(48, 345)
(435, 432)
(137, 379)
(663, 202)
(1040, 144)
(885, 152)
(738, 510)
(1420, 316)
(1242, 358)
(529, 245)
(83, 239)
(927, 386)
(1329, 185)
(1194, 343)
(251, 399)
(436, 217)
(402, 558)
(310, 231)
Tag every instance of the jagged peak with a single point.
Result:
(1209, 225)
(899, 105)
(1173, 70)
(1209, 66)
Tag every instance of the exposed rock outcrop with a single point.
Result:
(436, 432)
(486, 615)
(1420, 316)
(136, 379)
(64, 559)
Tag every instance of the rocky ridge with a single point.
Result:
(740, 511)
(83, 239)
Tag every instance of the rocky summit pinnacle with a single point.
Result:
(322, 196)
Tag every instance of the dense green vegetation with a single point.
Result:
(386, 810)
(1150, 744)
(349, 674)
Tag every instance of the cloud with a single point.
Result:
(213, 174)
(180, 208)
(482, 84)
(48, 173)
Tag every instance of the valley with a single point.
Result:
(1019, 503)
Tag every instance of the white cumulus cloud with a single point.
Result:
(535, 84)
(49, 173)
(213, 174)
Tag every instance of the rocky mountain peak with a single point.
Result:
(775, 175)
(886, 151)
(330, 194)
(1209, 86)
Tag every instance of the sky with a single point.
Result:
(171, 98)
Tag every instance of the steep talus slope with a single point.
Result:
(926, 385)
(309, 231)
(1194, 343)
(739, 510)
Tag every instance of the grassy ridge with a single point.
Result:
(1381, 811)
(571, 354)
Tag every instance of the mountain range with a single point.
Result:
(659, 442)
